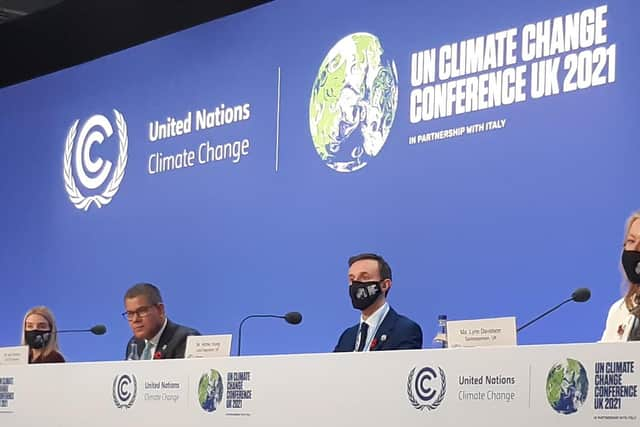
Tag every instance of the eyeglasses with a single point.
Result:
(140, 312)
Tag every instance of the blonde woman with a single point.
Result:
(623, 323)
(39, 332)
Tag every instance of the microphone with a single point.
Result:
(292, 317)
(579, 295)
(95, 330)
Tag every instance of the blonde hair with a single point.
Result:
(633, 289)
(52, 344)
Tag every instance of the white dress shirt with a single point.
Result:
(153, 342)
(374, 321)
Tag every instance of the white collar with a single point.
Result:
(377, 316)
(155, 339)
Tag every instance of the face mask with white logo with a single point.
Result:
(364, 294)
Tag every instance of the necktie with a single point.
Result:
(146, 353)
(634, 334)
(364, 327)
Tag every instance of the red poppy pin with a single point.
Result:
(374, 343)
(157, 355)
(620, 329)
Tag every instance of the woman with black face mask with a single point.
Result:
(623, 322)
(39, 332)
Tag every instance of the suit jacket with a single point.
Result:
(619, 323)
(171, 345)
(396, 332)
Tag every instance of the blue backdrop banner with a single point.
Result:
(488, 151)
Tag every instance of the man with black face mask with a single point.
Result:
(623, 321)
(380, 327)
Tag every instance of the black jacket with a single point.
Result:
(172, 342)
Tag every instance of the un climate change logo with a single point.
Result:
(353, 103)
(567, 386)
(427, 388)
(210, 390)
(93, 172)
(125, 389)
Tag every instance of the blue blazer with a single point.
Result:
(400, 333)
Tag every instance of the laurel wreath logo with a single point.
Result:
(116, 400)
(77, 198)
(428, 406)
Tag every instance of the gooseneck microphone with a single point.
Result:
(579, 295)
(292, 317)
(95, 330)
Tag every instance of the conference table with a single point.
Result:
(548, 385)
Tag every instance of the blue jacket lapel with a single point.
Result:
(384, 331)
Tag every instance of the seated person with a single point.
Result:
(154, 335)
(623, 323)
(39, 332)
(380, 326)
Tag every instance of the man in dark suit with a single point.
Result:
(380, 327)
(154, 335)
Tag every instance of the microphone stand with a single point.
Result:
(249, 317)
(544, 314)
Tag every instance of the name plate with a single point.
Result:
(18, 355)
(482, 332)
(204, 346)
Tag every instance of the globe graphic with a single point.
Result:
(353, 103)
(567, 386)
(210, 390)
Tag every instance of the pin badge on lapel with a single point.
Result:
(375, 341)
(621, 329)
(159, 354)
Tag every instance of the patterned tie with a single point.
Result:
(364, 327)
(146, 353)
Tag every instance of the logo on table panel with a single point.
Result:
(567, 386)
(7, 394)
(88, 177)
(210, 390)
(353, 103)
(426, 388)
(125, 389)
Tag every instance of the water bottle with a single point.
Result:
(133, 351)
(441, 336)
